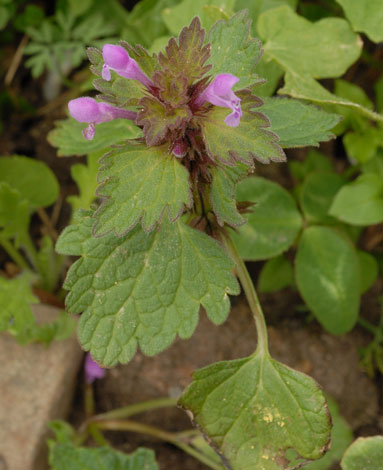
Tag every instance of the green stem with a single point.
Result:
(127, 411)
(172, 438)
(89, 400)
(251, 295)
(30, 250)
(14, 254)
(368, 326)
(97, 435)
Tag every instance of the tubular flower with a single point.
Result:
(117, 58)
(220, 93)
(92, 370)
(89, 110)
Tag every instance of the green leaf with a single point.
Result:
(304, 87)
(317, 193)
(140, 183)
(272, 225)
(366, 17)
(223, 194)
(328, 278)
(34, 180)
(16, 298)
(276, 274)
(298, 124)
(362, 146)
(272, 73)
(85, 177)
(65, 455)
(243, 143)
(68, 138)
(14, 213)
(366, 453)
(49, 265)
(323, 49)
(143, 289)
(234, 51)
(369, 270)
(253, 410)
(314, 161)
(209, 11)
(341, 438)
(360, 202)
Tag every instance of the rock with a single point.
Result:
(36, 386)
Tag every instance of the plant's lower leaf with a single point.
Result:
(276, 274)
(254, 410)
(15, 213)
(140, 183)
(143, 289)
(366, 17)
(366, 453)
(369, 270)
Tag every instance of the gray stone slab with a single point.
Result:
(36, 386)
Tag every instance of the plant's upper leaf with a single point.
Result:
(147, 62)
(272, 225)
(158, 120)
(34, 180)
(209, 11)
(306, 88)
(185, 58)
(243, 143)
(366, 17)
(143, 289)
(234, 51)
(14, 213)
(328, 278)
(320, 50)
(67, 136)
(63, 456)
(140, 183)
(360, 202)
(366, 453)
(254, 410)
(223, 194)
(298, 124)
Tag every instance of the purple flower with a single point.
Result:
(117, 58)
(92, 370)
(89, 110)
(220, 93)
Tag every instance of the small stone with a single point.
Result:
(36, 386)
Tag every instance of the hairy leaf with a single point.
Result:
(253, 410)
(366, 453)
(328, 278)
(360, 202)
(273, 223)
(67, 136)
(366, 17)
(249, 141)
(298, 124)
(234, 51)
(143, 289)
(223, 194)
(34, 180)
(140, 183)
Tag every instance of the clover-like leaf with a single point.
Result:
(143, 289)
(234, 51)
(250, 140)
(328, 278)
(14, 213)
(366, 17)
(67, 136)
(223, 193)
(254, 410)
(366, 453)
(140, 183)
(298, 124)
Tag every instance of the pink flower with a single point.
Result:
(220, 93)
(117, 58)
(92, 370)
(93, 112)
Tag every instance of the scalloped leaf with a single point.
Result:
(143, 289)
(234, 51)
(249, 141)
(140, 183)
(254, 411)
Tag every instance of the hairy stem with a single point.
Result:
(14, 254)
(251, 295)
(172, 438)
